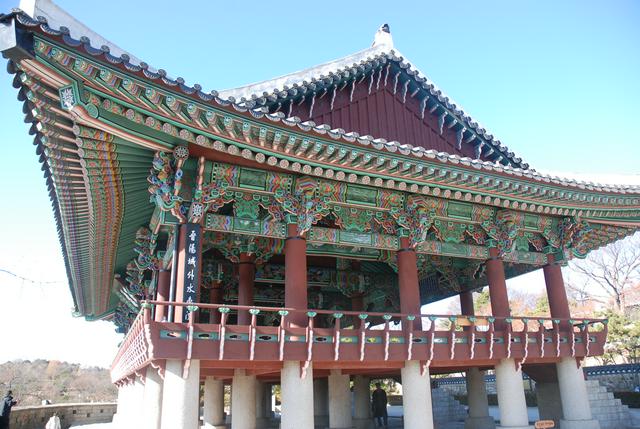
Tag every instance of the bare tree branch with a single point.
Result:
(612, 270)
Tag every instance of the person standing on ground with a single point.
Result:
(5, 410)
(379, 405)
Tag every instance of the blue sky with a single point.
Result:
(558, 82)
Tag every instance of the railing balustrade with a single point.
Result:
(334, 335)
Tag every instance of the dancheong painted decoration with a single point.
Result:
(302, 220)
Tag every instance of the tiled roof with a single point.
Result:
(257, 110)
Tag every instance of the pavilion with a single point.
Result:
(288, 232)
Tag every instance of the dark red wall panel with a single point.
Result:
(382, 114)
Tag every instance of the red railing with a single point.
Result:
(133, 353)
(331, 335)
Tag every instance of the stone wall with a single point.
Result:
(460, 388)
(70, 414)
(617, 382)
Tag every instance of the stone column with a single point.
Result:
(511, 401)
(479, 417)
(137, 402)
(181, 396)
(549, 402)
(575, 400)
(213, 409)
(125, 403)
(131, 416)
(361, 402)
(476, 387)
(246, 280)
(243, 400)
(152, 406)
(297, 396)
(119, 407)
(408, 280)
(416, 397)
(295, 277)
(261, 405)
(339, 400)
(576, 409)
(321, 401)
(162, 294)
(268, 393)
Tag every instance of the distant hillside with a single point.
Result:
(35, 381)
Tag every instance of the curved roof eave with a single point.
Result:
(195, 92)
(48, 13)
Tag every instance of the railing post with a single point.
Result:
(336, 336)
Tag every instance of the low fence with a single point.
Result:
(616, 378)
(70, 414)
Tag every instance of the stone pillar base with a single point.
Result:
(485, 422)
(579, 424)
(362, 423)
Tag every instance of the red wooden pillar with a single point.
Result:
(246, 280)
(466, 306)
(162, 294)
(497, 287)
(556, 292)
(408, 280)
(466, 303)
(357, 304)
(295, 277)
(215, 297)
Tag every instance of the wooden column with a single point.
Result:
(295, 278)
(357, 304)
(162, 294)
(215, 297)
(408, 280)
(466, 303)
(497, 287)
(556, 292)
(466, 307)
(246, 280)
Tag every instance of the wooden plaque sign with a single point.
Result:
(192, 266)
